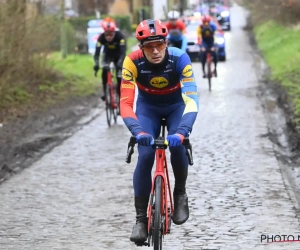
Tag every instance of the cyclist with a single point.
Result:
(114, 50)
(167, 89)
(176, 29)
(206, 32)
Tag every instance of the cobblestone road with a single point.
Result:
(79, 196)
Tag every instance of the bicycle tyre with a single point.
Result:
(157, 224)
(209, 74)
(108, 108)
(115, 108)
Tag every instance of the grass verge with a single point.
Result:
(281, 49)
(69, 77)
(79, 68)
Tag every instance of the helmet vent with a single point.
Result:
(152, 29)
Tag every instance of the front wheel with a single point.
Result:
(157, 222)
(116, 107)
(108, 108)
(209, 73)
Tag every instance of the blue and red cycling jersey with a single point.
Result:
(176, 31)
(171, 84)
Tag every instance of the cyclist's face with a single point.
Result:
(173, 21)
(109, 36)
(154, 51)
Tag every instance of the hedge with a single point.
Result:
(80, 23)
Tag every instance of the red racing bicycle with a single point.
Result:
(160, 207)
(112, 105)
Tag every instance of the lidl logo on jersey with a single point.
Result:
(159, 82)
(126, 75)
(187, 71)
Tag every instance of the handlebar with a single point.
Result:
(160, 143)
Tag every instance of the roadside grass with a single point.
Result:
(281, 49)
(66, 78)
(78, 70)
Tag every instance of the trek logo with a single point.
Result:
(127, 86)
(169, 65)
(188, 80)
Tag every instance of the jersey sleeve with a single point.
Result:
(199, 34)
(189, 95)
(122, 43)
(128, 85)
(98, 47)
(168, 25)
(213, 26)
(182, 27)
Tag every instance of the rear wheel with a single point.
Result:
(108, 108)
(157, 220)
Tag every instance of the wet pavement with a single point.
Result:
(80, 196)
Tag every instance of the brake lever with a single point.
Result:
(189, 151)
(130, 149)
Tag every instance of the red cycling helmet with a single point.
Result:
(108, 26)
(109, 19)
(206, 19)
(150, 29)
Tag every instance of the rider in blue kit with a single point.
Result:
(166, 89)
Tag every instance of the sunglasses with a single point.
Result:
(149, 47)
(108, 34)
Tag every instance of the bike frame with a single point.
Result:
(209, 61)
(161, 170)
(111, 88)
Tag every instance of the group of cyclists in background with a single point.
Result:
(114, 43)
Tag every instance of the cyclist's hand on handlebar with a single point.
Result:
(175, 140)
(96, 67)
(144, 139)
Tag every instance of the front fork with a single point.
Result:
(161, 170)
